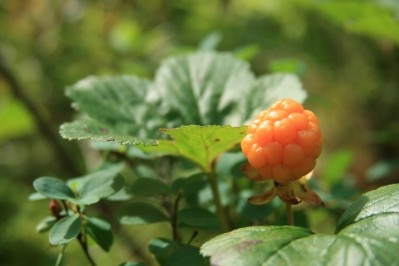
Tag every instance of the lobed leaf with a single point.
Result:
(204, 88)
(93, 130)
(200, 144)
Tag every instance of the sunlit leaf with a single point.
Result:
(200, 144)
(380, 201)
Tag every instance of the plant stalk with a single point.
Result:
(212, 179)
(83, 244)
(60, 256)
(290, 214)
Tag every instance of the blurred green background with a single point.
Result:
(346, 53)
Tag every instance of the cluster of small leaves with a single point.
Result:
(71, 222)
(367, 233)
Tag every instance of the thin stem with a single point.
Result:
(83, 244)
(60, 255)
(173, 221)
(212, 179)
(290, 214)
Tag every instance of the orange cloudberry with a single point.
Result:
(283, 142)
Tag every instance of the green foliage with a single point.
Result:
(137, 213)
(367, 233)
(200, 144)
(100, 231)
(170, 253)
(205, 88)
(65, 230)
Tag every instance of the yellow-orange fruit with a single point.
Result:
(283, 142)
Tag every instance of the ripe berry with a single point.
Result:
(283, 142)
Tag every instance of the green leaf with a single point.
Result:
(119, 108)
(93, 130)
(100, 185)
(65, 230)
(100, 231)
(198, 218)
(271, 88)
(141, 213)
(204, 88)
(53, 188)
(170, 253)
(149, 187)
(200, 144)
(371, 237)
(131, 263)
(45, 224)
(250, 245)
(380, 201)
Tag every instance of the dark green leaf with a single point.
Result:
(53, 188)
(198, 218)
(100, 231)
(200, 144)
(141, 213)
(149, 187)
(170, 253)
(65, 230)
(45, 224)
(376, 202)
(101, 184)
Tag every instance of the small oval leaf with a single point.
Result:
(53, 188)
(149, 187)
(198, 218)
(65, 230)
(100, 231)
(141, 213)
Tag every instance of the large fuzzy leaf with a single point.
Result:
(204, 88)
(371, 237)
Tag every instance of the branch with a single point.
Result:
(42, 124)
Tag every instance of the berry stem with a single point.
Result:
(212, 179)
(290, 214)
